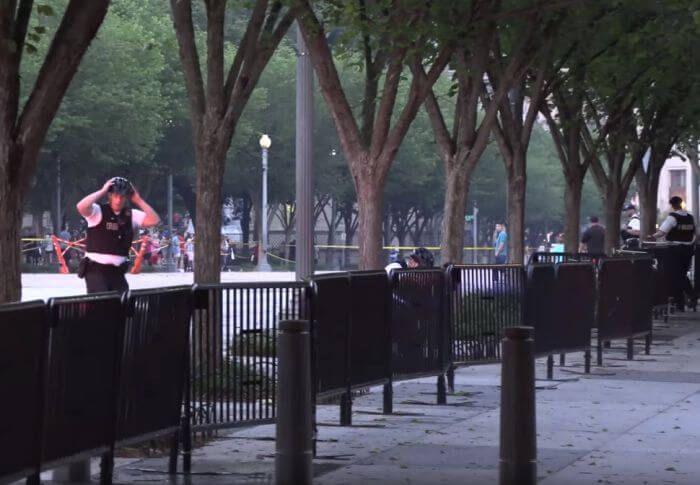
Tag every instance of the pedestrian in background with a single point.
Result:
(593, 238)
(500, 244)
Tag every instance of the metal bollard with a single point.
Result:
(441, 390)
(518, 447)
(451, 378)
(346, 408)
(293, 457)
(78, 472)
(388, 401)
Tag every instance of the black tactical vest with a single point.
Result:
(114, 233)
(684, 229)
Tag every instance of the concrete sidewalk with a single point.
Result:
(629, 422)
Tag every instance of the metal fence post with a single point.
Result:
(518, 447)
(293, 457)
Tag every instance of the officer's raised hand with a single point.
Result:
(107, 185)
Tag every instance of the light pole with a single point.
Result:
(263, 265)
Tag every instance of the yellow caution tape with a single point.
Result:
(280, 258)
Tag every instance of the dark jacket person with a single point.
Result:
(593, 238)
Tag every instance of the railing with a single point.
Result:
(233, 354)
(351, 335)
(482, 302)
(24, 330)
(85, 378)
(118, 370)
(565, 257)
(419, 331)
(82, 381)
(560, 306)
(154, 358)
(621, 285)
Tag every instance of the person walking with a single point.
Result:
(175, 249)
(110, 231)
(680, 229)
(633, 225)
(500, 244)
(593, 238)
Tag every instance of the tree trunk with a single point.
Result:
(456, 191)
(515, 205)
(10, 245)
(648, 192)
(370, 205)
(572, 204)
(613, 207)
(210, 173)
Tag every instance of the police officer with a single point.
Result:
(110, 231)
(420, 258)
(679, 228)
(633, 226)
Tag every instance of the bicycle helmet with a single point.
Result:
(121, 186)
(423, 257)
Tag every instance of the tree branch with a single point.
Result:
(252, 70)
(442, 135)
(184, 31)
(255, 22)
(24, 13)
(329, 81)
(386, 104)
(80, 22)
(216, 12)
(420, 87)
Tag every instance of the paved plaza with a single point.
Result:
(41, 286)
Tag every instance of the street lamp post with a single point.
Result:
(263, 265)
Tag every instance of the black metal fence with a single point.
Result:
(351, 334)
(82, 381)
(560, 305)
(370, 330)
(330, 315)
(85, 378)
(214, 347)
(24, 330)
(482, 301)
(565, 257)
(233, 355)
(420, 334)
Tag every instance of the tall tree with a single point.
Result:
(462, 148)
(391, 35)
(24, 127)
(512, 131)
(217, 101)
